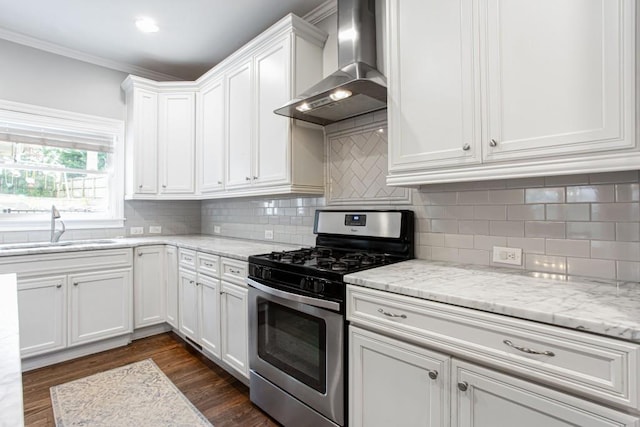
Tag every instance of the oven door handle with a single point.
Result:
(331, 305)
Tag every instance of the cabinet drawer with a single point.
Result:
(208, 264)
(583, 363)
(234, 271)
(63, 263)
(187, 258)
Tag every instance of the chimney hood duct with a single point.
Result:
(357, 87)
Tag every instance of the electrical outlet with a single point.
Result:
(216, 229)
(155, 229)
(136, 230)
(268, 234)
(511, 256)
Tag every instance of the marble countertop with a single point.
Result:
(11, 409)
(228, 247)
(606, 308)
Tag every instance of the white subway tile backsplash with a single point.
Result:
(474, 256)
(628, 271)
(473, 227)
(444, 226)
(627, 192)
(490, 212)
(590, 267)
(591, 193)
(445, 254)
(458, 241)
(550, 229)
(621, 212)
(572, 248)
(627, 232)
(527, 244)
(544, 195)
(473, 197)
(548, 264)
(488, 242)
(526, 212)
(568, 212)
(506, 228)
(591, 230)
(506, 197)
(623, 251)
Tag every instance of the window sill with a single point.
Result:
(71, 224)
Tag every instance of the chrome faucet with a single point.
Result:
(56, 234)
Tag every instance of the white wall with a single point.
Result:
(33, 76)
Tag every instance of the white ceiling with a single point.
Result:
(194, 34)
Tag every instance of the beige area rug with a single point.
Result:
(137, 395)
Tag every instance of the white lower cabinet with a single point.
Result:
(209, 314)
(42, 306)
(149, 285)
(235, 327)
(171, 259)
(213, 312)
(485, 398)
(99, 305)
(406, 368)
(392, 383)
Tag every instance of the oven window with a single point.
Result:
(293, 342)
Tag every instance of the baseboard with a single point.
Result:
(36, 362)
(150, 331)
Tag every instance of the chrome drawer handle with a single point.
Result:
(208, 264)
(231, 270)
(493, 143)
(528, 350)
(386, 313)
(188, 259)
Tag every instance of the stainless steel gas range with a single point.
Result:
(297, 348)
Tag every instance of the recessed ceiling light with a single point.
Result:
(147, 25)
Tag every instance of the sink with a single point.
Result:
(35, 245)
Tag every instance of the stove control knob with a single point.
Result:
(255, 270)
(266, 273)
(319, 285)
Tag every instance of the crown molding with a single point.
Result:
(82, 56)
(322, 12)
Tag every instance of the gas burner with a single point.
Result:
(339, 266)
(320, 252)
(325, 262)
(350, 261)
(372, 259)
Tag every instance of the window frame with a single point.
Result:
(83, 122)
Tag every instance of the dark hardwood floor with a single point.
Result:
(219, 396)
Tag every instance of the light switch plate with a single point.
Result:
(155, 229)
(512, 256)
(136, 230)
(268, 234)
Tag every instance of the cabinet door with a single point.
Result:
(42, 312)
(392, 383)
(209, 290)
(272, 76)
(149, 286)
(211, 136)
(143, 161)
(235, 333)
(485, 398)
(177, 142)
(239, 125)
(188, 306)
(433, 98)
(172, 285)
(560, 77)
(99, 305)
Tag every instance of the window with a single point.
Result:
(51, 157)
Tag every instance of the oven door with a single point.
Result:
(298, 346)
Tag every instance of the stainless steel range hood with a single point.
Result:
(357, 87)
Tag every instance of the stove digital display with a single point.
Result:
(355, 220)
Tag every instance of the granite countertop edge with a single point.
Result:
(601, 307)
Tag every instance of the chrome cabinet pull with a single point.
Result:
(233, 271)
(139, 253)
(164, 185)
(246, 178)
(386, 313)
(463, 386)
(493, 143)
(59, 285)
(140, 186)
(528, 350)
(255, 177)
(208, 264)
(191, 282)
(219, 182)
(75, 283)
(466, 147)
(433, 375)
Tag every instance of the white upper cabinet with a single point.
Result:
(486, 89)
(142, 142)
(434, 89)
(176, 140)
(239, 125)
(160, 139)
(210, 137)
(218, 136)
(560, 77)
